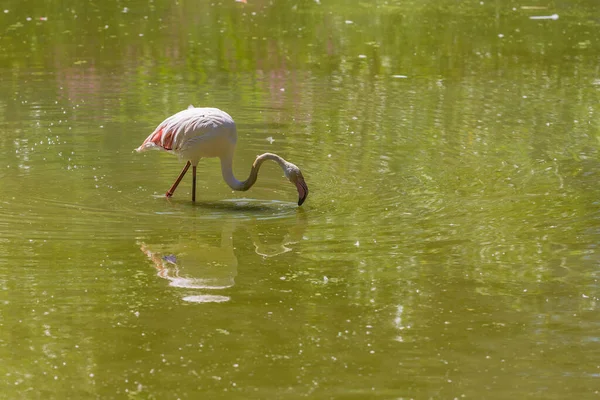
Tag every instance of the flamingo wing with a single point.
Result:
(176, 131)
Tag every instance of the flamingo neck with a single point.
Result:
(227, 170)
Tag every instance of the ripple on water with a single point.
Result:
(239, 209)
(53, 219)
(118, 217)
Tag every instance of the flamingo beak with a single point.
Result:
(302, 191)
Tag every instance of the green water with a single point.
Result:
(448, 247)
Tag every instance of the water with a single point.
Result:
(448, 247)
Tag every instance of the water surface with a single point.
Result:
(448, 247)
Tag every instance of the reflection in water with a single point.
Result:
(206, 298)
(192, 264)
(398, 322)
(293, 236)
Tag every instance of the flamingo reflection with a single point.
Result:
(192, 264)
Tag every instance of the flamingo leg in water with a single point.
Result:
(179, 178)
(194, 183)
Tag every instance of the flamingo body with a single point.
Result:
(204, 132)
(193, 134)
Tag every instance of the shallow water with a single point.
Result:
(448, 247)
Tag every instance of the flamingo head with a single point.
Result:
(293, 173)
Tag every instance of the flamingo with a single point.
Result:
(202, 132)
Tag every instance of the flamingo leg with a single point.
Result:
(179, 178)
(194, 183)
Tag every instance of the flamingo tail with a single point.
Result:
(160, 139)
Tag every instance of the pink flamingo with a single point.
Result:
(196, 133)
